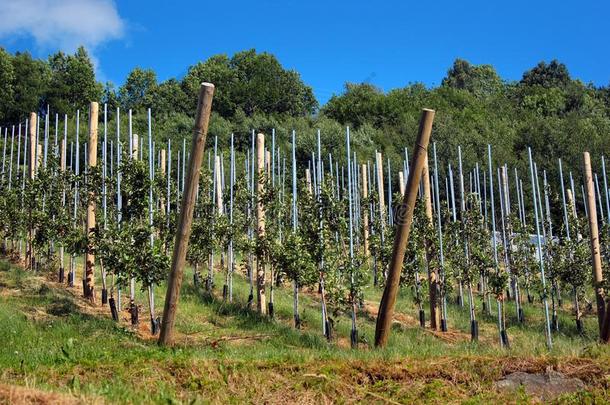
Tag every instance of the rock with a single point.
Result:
(544, 386)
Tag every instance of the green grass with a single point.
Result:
(227, 353)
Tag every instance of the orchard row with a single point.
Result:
(477, 239)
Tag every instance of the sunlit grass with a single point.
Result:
(50, 343)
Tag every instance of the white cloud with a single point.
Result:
(61, 24)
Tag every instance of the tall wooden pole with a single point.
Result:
(183, 231)
(135, 146)
(260, 222)
(62, 168)
(62, 159)
(404, 218)
(33, 122)
(571, 202)
(594, 232)
(308, 180)
(92, 158)
(162, 165)
(435, 315)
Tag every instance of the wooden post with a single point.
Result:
(183, 231)
(571, 203)
(33, 124)
(401, 183)
(404, 218)
(62, 161)
(163, 163)
(134, 145)
(308, 179)
(260, 221)
(595, 252)
(92, 158)
(32, 160)
(435, 316)
(62, 168)
(365, 211)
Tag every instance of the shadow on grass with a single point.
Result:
(5, 266)
(566, 325)
(56, 302)
(248, 319)
(12, 276)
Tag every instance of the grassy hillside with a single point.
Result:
(56, 347)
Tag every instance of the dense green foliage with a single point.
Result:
(547, 109)
(66, 82)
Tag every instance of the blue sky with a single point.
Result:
(389, 44)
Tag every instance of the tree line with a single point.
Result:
(547, 109)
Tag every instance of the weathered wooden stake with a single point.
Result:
(435, 315)
(404, 218)
(260, 222)
(92, 158)
(308, 180)
(135, 146)
(595, 251)
(62, 168)
(183, 231)
(162, 165)
(63, 152)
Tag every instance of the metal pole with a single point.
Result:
(549, 338)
